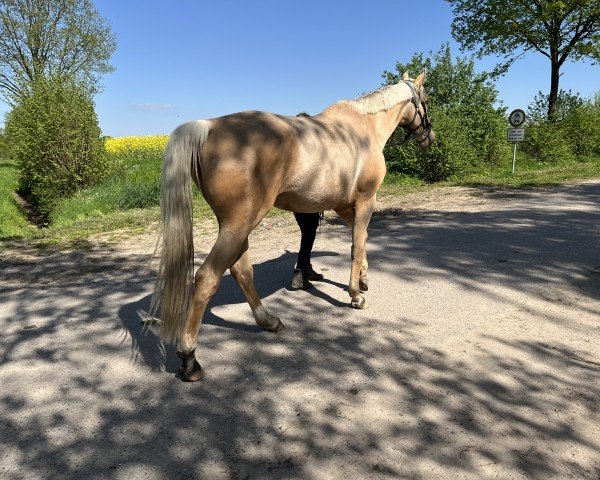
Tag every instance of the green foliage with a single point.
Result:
(12, 223)
(138, 170)
(133, 181)
(505, 27)
(448, 156)
(54, 135)
(52, 39)
(140, 195)
(546, 142)
(567, 102)
(558, 29)
(470, 130)
(573, 131)
(531, 172)
(3, 145)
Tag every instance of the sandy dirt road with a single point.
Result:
(479, 356)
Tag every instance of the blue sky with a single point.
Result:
(189, 59)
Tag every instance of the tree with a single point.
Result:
(52, 39)
(558, 29)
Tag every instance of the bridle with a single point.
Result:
(423, 117)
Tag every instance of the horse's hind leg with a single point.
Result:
(243, 273)
(224, 253)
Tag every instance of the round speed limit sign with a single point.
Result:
(516, 117)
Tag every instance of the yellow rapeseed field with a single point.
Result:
(137, 146)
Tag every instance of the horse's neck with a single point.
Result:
(382, 123)
(385, 122)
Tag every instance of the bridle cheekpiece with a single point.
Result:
(423, 117)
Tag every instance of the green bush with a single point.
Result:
(54, 135)
(132, 181)
(582, 129)
(573, 131)
(451, 153)
(12, 223)
(547, 143)
(566, 102)
(3, 145)
(470, 129)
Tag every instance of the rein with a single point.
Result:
(424, 119)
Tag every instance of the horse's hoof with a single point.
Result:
(193, 375)
(359, 304)
(275, 328)
(363, 284)
(266, 321)
(190, 369)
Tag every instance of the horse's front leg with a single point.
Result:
(363, 278)
(358, 275)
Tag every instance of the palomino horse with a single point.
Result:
(248, 162)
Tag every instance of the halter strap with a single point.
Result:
(425, 122)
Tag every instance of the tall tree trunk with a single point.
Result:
(553, 97)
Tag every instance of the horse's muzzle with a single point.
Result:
(428, 140)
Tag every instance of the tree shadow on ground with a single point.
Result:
(271, 276)
(364, 397)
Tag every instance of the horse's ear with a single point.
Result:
(405, 76)
(421, 78)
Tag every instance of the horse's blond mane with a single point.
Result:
(380, 100)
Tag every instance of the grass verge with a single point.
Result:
(528, 173)
(127, 202)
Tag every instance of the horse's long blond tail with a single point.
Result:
(175, 275)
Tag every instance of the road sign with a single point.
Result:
(516, 135)
(516, 117)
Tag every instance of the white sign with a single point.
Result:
(516, 117)
(516, 134)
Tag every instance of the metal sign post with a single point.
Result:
(515, 134)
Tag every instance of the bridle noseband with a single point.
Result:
(423, 117)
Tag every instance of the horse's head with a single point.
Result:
(416, 121)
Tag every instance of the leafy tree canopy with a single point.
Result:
(563, 29)
(52, 39)
(557, 29)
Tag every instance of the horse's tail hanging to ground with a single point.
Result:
(175, 275)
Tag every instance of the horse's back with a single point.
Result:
(332, 155)
(246, 158)
(296, 163)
